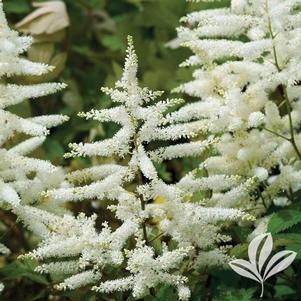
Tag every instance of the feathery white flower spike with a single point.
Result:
(142, 121)
(248, 91)
(22, 179)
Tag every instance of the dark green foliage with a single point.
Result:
(284, 220)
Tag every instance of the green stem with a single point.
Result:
(292, 139)
(156, 237)
(142, 203)
(277, 134)
(285, 94)
(263, 200)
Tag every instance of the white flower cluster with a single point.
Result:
(147, 272)
(73, 246)
(247, 84)
(22, 178)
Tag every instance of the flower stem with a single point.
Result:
(140, 182)
(277, 134)
(285, 94)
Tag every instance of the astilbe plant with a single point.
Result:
(85, 255)
(22, 178)
(247, 82)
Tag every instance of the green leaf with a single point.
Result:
(291, 241)
(282, 291)
(164, 293)
(283, 220)
(23, 269)
(239, 251)
(289, 237)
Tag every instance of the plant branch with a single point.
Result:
(285, 94)
(140, 182)
(156, 237)
(277, 134)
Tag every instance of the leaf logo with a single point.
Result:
(253, 269)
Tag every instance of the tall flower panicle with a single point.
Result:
(246, 81)
(193, 226)
(22, 178)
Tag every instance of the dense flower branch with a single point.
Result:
(22, 178)
(76, 241)
(247, 62)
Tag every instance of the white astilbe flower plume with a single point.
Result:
(143, 120)
(246, 79)
(147, 272)
(22, 178)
